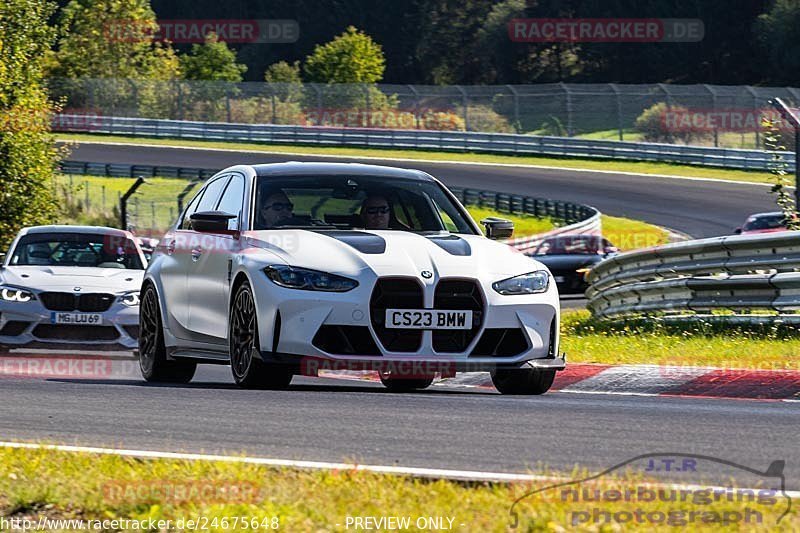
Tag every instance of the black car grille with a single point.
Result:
(500, 342)
(65, 301)
(463, 295)
(396, 293)
(75, 333)
(345, 340)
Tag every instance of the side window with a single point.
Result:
(210, 198)
(232, 198)
(186, 223)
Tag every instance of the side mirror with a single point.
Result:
(608, 250)
(498, 228)
(737, 231)
(211, 221)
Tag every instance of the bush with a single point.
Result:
(484, 118)
(654, 125)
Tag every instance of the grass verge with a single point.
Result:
(61, 485)
(586, 340)
(425, 155)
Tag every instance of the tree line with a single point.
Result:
(444, 42)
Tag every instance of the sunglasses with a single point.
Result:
(378, 210)
(280, 206)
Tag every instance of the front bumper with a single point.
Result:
(291, 322)
(29, 325)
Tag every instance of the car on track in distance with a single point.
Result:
(571, 257)
(771, 222)
(71, 286)
(282, 269)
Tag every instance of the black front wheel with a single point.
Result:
(153, 361)
(249, 371)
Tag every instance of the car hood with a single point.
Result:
(395, 253)
(55, 278)
(568, 261)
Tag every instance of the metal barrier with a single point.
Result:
(734, 274)
(456, 141)
(577, 218)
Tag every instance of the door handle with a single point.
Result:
(196, 253)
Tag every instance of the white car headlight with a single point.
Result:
(13, 294)
(530, 283)
(130, 299)
(308, 280)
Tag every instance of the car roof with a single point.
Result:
(296, 168)
(74, 229)
(769, 214)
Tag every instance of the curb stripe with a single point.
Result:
(742, 384)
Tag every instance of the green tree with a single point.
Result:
(285, 81)
(211, 61)
(778, 32)
(27, 148)
(352, 57)
(111, 39)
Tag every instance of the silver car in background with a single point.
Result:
(71, 286)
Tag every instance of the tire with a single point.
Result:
(404, 384)
(248, 370)
(523, 381)
(153, 361)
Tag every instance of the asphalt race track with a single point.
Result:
(460, 428)
(336, 420)
(700, 208)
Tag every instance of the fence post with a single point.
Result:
(416, 105)
(619, 108)
(568, 108)
(86, 196)
(517, 123)
(714, 106)
(465, 103)
(755, 110)
(123, 202)
(227, 101)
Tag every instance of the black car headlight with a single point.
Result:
(308, 280)
(131, 299)
(14, 294)
(530, 283)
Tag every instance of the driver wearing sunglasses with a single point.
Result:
(375, 212)
(276, 209)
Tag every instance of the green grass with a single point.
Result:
(424, 155)
(62, 485)
(650, 342)
(159, 196)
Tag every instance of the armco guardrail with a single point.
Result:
(457, 141)
(576, 218)
(738, 274)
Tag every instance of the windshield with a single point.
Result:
(765, 222)
(588, 245)
(77, 249)
(362, 202)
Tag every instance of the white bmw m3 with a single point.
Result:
(286, 269)
(71, 287)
